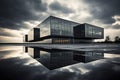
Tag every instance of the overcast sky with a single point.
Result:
(18, 16)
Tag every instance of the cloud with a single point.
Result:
(112, 33)
(56, 6)
(104, 10)
(14, 13)
(116, 26)
(10, 39)
(17, 69)
(10, 32)
(22, 15)
(103, 69)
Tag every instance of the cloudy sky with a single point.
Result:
(18, 16)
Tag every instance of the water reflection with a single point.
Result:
(58, 58)
(17, 65)
(112, 55)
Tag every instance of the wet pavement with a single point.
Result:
(15, 64)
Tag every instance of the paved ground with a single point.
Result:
(77, 47)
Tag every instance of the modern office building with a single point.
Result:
(57, 30)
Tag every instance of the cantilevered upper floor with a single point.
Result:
(64, 31)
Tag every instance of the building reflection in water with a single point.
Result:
(53, 59)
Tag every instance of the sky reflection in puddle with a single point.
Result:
(16, 65)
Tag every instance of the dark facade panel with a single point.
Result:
(25, 38)
(87, 31)
(79, 31)
(34, 34)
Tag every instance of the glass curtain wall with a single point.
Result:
(31, 35)
(93, 31)
(60, 27)
(44, 28)
(63, 29)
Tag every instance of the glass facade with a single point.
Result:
(57, 30)
(87, 31)
(31, 35)
(45, 28)
(92, 31)
(60, 27)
